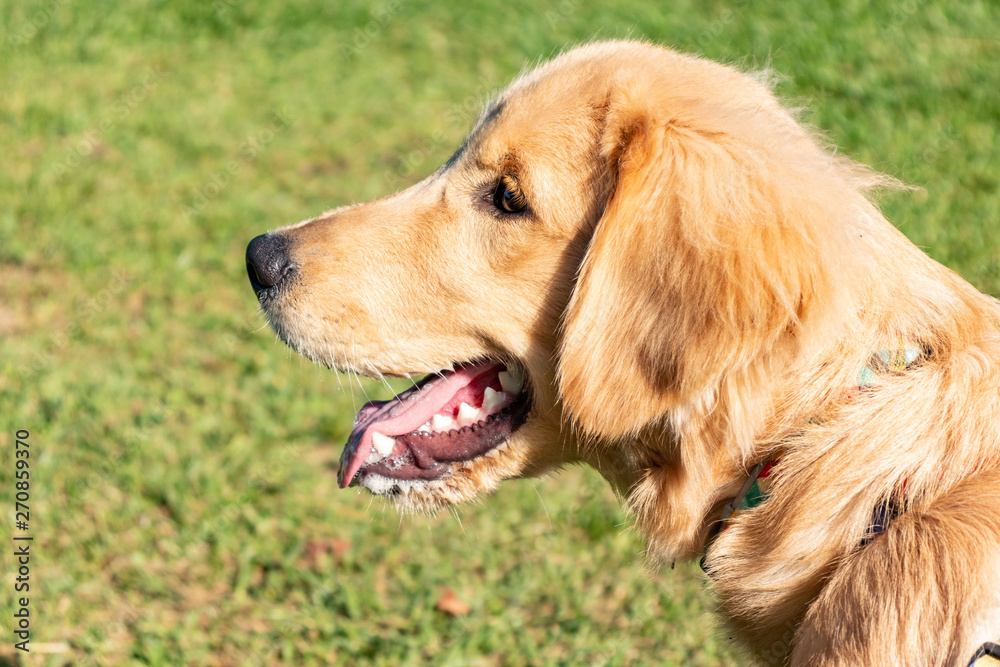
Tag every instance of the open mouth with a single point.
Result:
(447, 418)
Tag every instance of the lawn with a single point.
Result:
(183, 500)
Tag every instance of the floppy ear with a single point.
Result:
(706, 257)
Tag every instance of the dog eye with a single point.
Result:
(508, 196)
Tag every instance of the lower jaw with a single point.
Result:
(390, 476)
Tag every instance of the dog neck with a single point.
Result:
(680, 511)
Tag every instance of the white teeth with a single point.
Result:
(511, 381)
(426, 428)
(383, 444)
(492, 400)
(442, 422)
(467, 414)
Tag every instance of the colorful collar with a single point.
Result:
(757, 487)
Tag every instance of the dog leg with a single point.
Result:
(924, 592)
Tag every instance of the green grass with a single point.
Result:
(184, 504)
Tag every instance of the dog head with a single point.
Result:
(624, 232)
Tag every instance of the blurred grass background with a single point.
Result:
(184, 506)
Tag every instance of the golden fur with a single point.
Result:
(697, 283)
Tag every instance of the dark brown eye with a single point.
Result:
(508, 196)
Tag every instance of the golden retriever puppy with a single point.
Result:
(639, 260)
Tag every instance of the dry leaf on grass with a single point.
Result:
(451, 604)
(324, 546)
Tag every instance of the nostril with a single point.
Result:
(267, 261)
(255, 279)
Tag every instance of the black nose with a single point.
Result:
(267, 261)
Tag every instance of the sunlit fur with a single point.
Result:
(697, 282)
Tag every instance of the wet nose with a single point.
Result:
(267, 261)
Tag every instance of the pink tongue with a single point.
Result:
(409, 413)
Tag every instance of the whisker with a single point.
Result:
(545, 509)
(454, 513)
